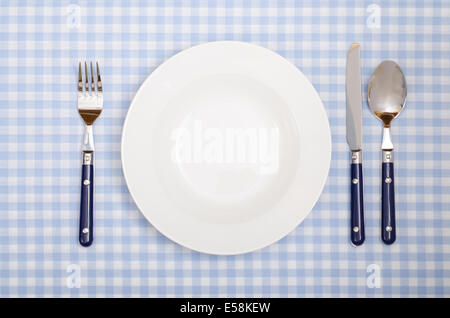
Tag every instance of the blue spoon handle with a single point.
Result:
(86, 233)
(388, 228)
(357, 232)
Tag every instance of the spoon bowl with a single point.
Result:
(386, 97)
(387, 92)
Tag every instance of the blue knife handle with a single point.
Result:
(388, 228)
(357, 205)
(86, 233)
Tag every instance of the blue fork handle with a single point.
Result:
(357, 205)
(86, 234)
(388, 228)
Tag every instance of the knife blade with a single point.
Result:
(354, 98)
(354, 140)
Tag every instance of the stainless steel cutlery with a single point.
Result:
(90, 105)
(354, 140)
(386, 97)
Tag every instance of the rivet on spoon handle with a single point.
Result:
(387, 95)
(388, 228)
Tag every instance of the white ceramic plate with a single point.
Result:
(226, 147)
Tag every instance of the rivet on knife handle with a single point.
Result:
(354, 139)
(357, 203)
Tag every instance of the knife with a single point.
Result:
(354, 140)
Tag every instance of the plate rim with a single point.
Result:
(328, 134)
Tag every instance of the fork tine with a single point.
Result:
(86, 77)
(92, 80)
(99, 80)
(80, 79)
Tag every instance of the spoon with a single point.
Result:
(386, 97)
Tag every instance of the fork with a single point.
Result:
(90, 105)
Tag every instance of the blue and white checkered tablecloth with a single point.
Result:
(41, 43)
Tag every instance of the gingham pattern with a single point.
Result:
(41, 43)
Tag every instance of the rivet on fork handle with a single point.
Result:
(90, 105)
(86, 236)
